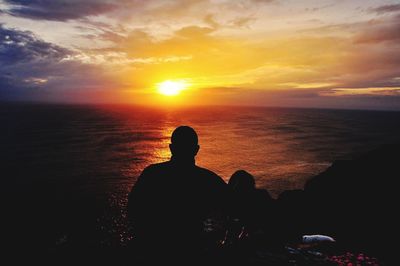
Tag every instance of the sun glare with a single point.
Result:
(171, 88)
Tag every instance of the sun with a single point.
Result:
(171, 88)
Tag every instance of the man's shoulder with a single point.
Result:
(207, 172)
(156, 167)
(151, 173)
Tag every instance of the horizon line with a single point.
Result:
(184, 106)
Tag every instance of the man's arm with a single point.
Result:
(136, 198)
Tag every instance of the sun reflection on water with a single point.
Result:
(161, 151)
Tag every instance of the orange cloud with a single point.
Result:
(231, 52)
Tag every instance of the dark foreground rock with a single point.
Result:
(355, 201)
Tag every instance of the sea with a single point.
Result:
(66, 170)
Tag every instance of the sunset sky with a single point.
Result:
(315, 53)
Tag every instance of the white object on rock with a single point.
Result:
(307, 239)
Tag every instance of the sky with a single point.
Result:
(294, 53)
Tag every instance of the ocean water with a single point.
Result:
(72, 166)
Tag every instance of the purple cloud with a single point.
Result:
(58, 10)
(31, 67)
(386, 8)
(387, 30)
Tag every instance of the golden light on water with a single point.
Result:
(171, 88)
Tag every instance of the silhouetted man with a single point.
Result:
(170, 201)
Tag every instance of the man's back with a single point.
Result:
(170, 202)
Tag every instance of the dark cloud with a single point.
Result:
(22, 46)
(238, 22)
(386, 30)
(242, 21)
(310, 98)
(25, 60)
(59, 10)
(386, 8)
(319, 8)
(262, 1)
(193, 31)
(62, 10)
(30, 66)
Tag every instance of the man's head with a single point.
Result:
(184, 143)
